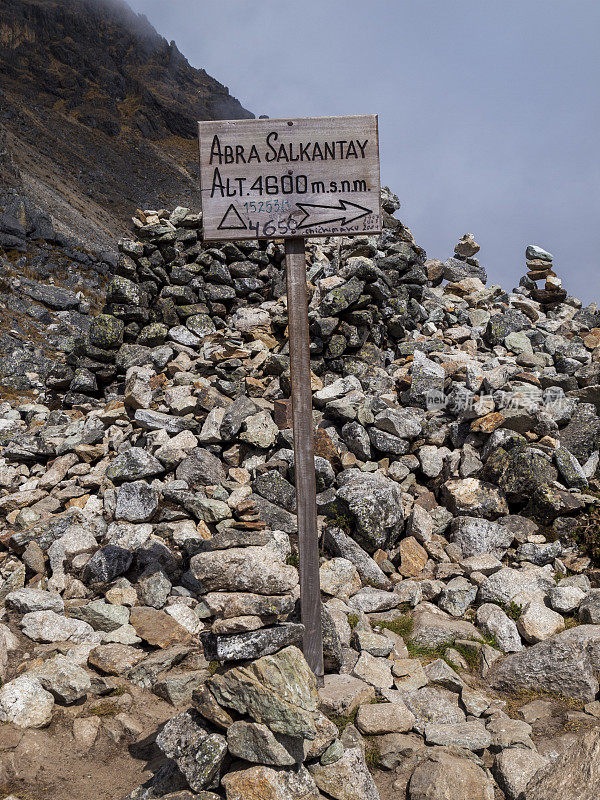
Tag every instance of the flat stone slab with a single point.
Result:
(342, 694)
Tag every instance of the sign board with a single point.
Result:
(290, 178)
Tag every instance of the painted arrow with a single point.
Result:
(312, 209)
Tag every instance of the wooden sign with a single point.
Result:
(289, 178)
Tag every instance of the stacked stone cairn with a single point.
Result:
(148, 542)
(540, 268)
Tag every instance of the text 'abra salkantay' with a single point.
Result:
(288, 151)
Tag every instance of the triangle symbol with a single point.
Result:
(232, 220)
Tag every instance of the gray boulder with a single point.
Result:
(444, 776)
(137, 501)
(135, 464)
(427, 379)
(340, 544)
(374, 505)
(201, 468)
(27, 600)
(575, 775)
(589, 610)
(511, 585)
(455, 269)
(565, 664)
(346, 779)
(243, 569)
(493, 621)
(255, 743)
(278, 691)
(65, 679)
(243, 646)
(197, 752)
(514, 768)
(476, 536)
(107, 564)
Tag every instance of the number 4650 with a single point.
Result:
(273, 227)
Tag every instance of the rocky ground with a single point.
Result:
(148, 558)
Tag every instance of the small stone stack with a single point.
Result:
(539, 268)
(463, 263)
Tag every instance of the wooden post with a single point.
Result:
(306, 493)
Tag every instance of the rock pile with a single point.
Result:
(540, 267)
(49, 286)
(149, 537)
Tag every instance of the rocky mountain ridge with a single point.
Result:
(148, 534)
(99, 113)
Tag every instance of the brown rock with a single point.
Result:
(539, 275)
(18, 500)
(77, 502)
(487, 424)
(592, 339)
(282, 413)
(434, 269)
(266, 783)
(413, 557)
(549, 298)
(466, 246)
(157, 628)
(115, 659)
(34, 558)
(206, 705)
(326, 448)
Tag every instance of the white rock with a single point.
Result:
(77, 540)
(24, 702)
(27, 600)
(381, 718)
(184, 616)
(566, 599)
(138, 393)
(260, 431)
(420, 524)
(211, 430)
(375, 671)
(538, 622)
(432, 460)
(339, 578)
(493, 621)
(337, 389)
(248, 319)
(511, 585)
(47, 626)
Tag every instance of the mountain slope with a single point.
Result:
(99, 112)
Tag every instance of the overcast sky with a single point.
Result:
(488, 111)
